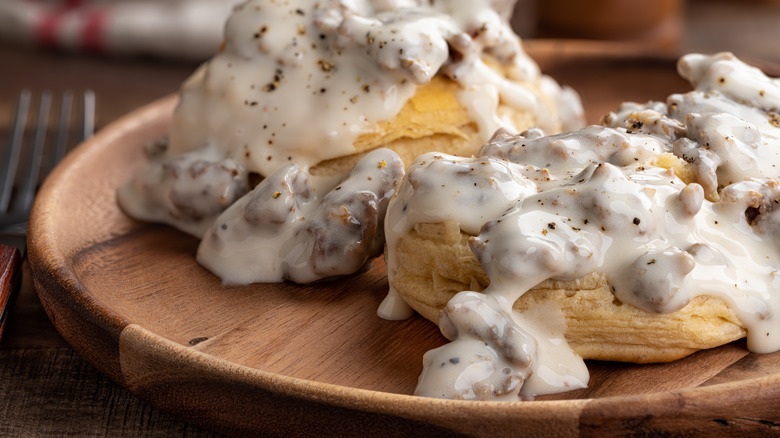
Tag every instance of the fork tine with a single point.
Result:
(87, 123)
(27, 187)
(14, 150)
(24, 163)
(61, 145)
(88, 116)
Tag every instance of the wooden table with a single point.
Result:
(46, 389)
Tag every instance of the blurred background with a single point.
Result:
(150, 46)
(190, 30)
(131, 52)
(153, 45)
(749, 28)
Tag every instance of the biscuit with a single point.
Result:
(438, 263)
(432, 120)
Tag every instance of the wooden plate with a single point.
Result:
(282, 359)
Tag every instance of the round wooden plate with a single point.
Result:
(282, 359)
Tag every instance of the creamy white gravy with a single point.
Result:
(283, 229)
(562, 206)
(300, 81)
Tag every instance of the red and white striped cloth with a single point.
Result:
(187, 29)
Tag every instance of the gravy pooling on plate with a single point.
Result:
(299, 82)
(668, 200)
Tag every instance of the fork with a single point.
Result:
(22, 167)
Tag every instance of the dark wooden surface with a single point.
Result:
(46, 389)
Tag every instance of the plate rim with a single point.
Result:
(55, 282)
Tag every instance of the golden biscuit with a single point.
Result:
(432, 120)
(438, 263)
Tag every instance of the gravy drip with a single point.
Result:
(284, 230)
(598, 200)
(300, 81)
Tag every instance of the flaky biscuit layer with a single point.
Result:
(435, 262)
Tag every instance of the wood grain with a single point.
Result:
(43, 388)
(283, 359)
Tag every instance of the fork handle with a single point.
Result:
(10, 280)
